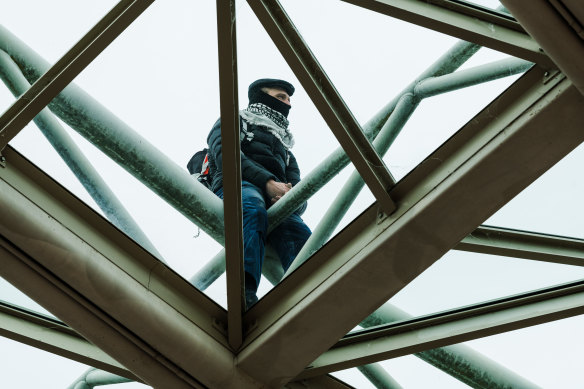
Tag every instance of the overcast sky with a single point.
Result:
(161, 78)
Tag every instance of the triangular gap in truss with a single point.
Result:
(137, 88)
(438, 117)
(258, 57)
(462, 278)
(56, 26)
(552, 204)
(50, 370)
(462, 195)
(13, 295)
(519, 350)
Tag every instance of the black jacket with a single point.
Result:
(263, 157)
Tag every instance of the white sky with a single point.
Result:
(161, 78)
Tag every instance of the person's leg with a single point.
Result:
(255, 225)
(288, 238)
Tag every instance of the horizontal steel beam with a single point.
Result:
(483, 27)
(455, 326)
(441, 201)
(54, 336)
(68, 67)
(524, 244)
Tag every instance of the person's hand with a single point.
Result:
(277, 189)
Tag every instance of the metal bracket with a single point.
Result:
(550, 75)
(381, 215)
(2, 160)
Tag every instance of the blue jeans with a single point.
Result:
(287, 239)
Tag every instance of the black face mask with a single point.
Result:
(260, 96)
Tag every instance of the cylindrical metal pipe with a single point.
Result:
(378, 376)
(100, 378)
(469, 77)
(76, 160)
(459, 361)
(337, 160)
(425, 88)
(125, 146)
(347, 195)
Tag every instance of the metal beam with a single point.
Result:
(111, 291)
(87, 175)
(524, 244)
(455, 326)
(560, 35)
(54, 336)
(230, 148)
(68, 67)
(483, 27)
(338, 160)
(93, 378)
(123, 145)
(348, 193)
(326, 99)
(440, 202)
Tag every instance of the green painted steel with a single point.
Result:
(469, 77)
(124, 145)
(76, 160)
(427, 87)
(459, 361)
(94, 377)
(347, 195)
(378, 376)
(70, 107)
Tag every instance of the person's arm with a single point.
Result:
(293, 177)
(251, 171)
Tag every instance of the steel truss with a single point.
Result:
(295, 325)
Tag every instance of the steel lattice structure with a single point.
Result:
(165, 333)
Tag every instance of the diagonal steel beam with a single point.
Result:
(560, 35)
(123, 145)
(465, 21)
(455, 326)
(79, 164)
(231, 159)
(326, 99)
(111, 291)
(524, 244)
(476, 172)
(54, 336)
(68, 67)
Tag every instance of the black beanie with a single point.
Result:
(256, 95)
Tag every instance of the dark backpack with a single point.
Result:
(198, 166)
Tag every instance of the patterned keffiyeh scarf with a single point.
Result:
(270, 120)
